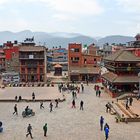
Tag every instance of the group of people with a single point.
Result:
(41, 107)
(29, 130)
(98, 91)
(20, 98)
(81, 104)
(70, 87)
(105, 127)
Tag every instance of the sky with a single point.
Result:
(88, 17)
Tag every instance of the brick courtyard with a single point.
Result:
(64, 123)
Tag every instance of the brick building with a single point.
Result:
(134, 46)
(57, 56)
(2, 60)
(11, 51)
(32, 63)
(82, 66)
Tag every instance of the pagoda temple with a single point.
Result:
(122, 76)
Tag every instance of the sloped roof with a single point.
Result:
(114, 78)
(122, 55)
(84, 70)
(110, 76)
(57, 66)
(31, 48)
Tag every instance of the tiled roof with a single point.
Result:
(122, 55)
(57, 66)
(114, 78)
(30, 48)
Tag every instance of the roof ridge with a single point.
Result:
(121, 51)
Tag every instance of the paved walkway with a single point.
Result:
(65, 123)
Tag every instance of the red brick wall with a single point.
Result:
(72, 54)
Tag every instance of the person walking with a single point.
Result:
(45, 128)
(19, 98)
(16, 98)
(33, 96)
(106, 125)
(106, 133)
(106, 129)
(51, 106)
(126, 104)
(101, 122)
(81, 105)
(29, 131)
(99, 93)
(130, 101)
(73, 94)
(56, 105)
(41, 105)
(15, 110)
(73, 104)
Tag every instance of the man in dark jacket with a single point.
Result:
(15, 110)
(81, 105)
(45, 130)
(51, 106)
(101, 122)
(29, 131)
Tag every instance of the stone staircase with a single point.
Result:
(127, 114)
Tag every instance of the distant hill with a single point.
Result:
(115, 39)
(60, 38)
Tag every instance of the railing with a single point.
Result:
(33, 57)
(122, 68)
(31, 65)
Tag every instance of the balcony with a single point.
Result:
(31, 57)
(31, 65)
(122, 68)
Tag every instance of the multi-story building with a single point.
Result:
(32, 63)
(134, 46)
(82, 66)
(123, 67)
(57, 56)
(10, 77)
(2, 60)
(11, 51)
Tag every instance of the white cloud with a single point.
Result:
(130, 5)
(63, 17)
(3, 1)
(82, 7)
(14, 25)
